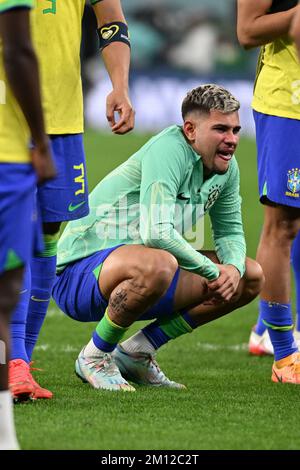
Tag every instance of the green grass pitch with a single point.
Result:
(230, 401)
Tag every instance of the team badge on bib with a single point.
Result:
(213, 195)
(293, 182)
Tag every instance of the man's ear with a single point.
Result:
(189, 130)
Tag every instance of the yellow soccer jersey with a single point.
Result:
(14, 132)
(56, 26)
(277, 87)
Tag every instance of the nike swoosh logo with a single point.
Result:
(23, 291)
(72, 208)
(39, 300)
(183, 197)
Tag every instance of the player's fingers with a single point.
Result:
(126, 121)
(123, 129)
(227, 294)
(223, 287)
(110, 113)
(43, 165)
(120, 123)
(216, 284)
(228, 297)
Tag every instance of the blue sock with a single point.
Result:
(161, 331)
(18, 320)
(155, 335)
(187, 317)
(278, 319)
(102, 344)
(295, 258)
(260, 327)
(42, 279)
(108, 334)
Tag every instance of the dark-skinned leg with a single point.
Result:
(30, 313)
(281, 226)
(10, 284)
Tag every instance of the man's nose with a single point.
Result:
(231, 138)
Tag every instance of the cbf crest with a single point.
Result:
(293, 182)
(213, 194)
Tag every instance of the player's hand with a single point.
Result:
(225, 286)
(42, 161)
(119, 102)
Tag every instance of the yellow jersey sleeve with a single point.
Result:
(56, 26)
(14, 132)
(277, 85)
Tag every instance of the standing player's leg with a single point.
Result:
(64, 198)
(19, 236)
(295, 258)
(280, 228)
(135, 357)
(10, 284)
(279, 188)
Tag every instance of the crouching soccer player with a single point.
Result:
(150, 271)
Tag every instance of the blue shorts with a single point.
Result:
(66, 196)
(20, 227)
(278, 159)
(76, 291)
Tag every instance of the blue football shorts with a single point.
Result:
(278, 159)
(76, 291)
(20, 225)
(66, 196)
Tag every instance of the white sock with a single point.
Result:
(8, 438)
(138, 343)
(92, 351)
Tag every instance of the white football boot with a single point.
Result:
(101, 372)
(142, 369)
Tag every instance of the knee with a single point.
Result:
(159, 271)
(288, 230)
(254, 279)
(284, 231)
